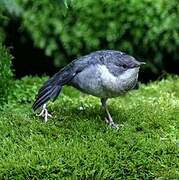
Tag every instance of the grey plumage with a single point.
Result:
(104, 74)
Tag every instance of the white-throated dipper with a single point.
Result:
(104, 74)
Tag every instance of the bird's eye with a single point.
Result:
(124, 66)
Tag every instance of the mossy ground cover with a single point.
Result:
(77, 144)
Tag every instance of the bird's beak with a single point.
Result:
(142, 63)
(138, 64)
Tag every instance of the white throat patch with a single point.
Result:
(128, 75)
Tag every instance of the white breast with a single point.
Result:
(98, 81)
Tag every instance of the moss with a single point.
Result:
(77, 144)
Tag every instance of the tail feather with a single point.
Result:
(44, 91)
(42, 99)
(52, 88)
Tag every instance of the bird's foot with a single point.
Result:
(44, 113)
(111, 123)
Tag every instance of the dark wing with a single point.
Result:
(52, 88)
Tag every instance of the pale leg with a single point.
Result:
(44, 113)
(108, 119)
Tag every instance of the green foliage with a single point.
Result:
(10, 6)
(77, 144)
(5, 74)
(26, 89)
(8, 9)
(144, 28)
(2, 35)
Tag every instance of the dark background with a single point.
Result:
(44, 37)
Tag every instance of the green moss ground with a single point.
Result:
(77, 144)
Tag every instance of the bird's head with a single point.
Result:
(126, 61)
(128, 65)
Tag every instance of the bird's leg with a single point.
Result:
(108, 119)
(44, 113)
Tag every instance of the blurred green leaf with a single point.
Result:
(146, 28)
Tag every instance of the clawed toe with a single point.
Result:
(115, 126)
(112, 124)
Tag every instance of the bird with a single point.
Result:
(104, 73)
